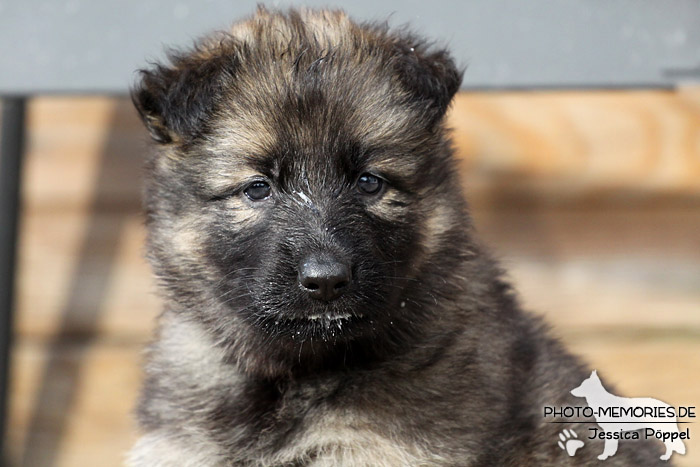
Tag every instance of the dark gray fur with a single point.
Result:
(435, 363)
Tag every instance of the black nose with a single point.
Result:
(324, 277)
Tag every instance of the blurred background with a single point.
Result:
(583, 177)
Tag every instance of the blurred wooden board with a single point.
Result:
(580, 146)
(591, 201)
(91, 393)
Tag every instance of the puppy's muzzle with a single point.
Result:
(324, 277)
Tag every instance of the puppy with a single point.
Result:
(326, 302)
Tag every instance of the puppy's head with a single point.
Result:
(303, 184)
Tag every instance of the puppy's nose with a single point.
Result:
(324, 277)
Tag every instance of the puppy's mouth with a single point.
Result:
(330, 324)
(332, 316)
(321, 319)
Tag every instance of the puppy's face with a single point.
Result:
(300, 184)
(311, 236)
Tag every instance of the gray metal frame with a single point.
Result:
(71, 46)
(11, 146)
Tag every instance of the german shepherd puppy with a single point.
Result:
(326, 301)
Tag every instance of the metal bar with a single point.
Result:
(11, 148)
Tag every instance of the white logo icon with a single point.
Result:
(569, 443)
(616, 415)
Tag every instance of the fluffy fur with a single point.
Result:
(426, 359)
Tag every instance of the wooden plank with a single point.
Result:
(83, 276)
(82, 154)
(598, 146)
(72, 403)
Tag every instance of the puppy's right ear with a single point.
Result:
(175, 100)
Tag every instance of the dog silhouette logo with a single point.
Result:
(616, 415)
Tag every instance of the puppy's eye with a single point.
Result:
(258, 190)
(369, 184)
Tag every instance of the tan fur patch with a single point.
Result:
(386, 207)
(330, 27)
(228, 173)
(186, 236)
(242, 211)
(399, 167)
(437, 223)
(243, 136)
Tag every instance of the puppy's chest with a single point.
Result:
(324, 433)
(342, 437)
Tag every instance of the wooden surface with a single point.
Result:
(591, 200)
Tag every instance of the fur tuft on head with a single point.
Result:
(175, 99)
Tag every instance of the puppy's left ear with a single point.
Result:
(430, 75)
